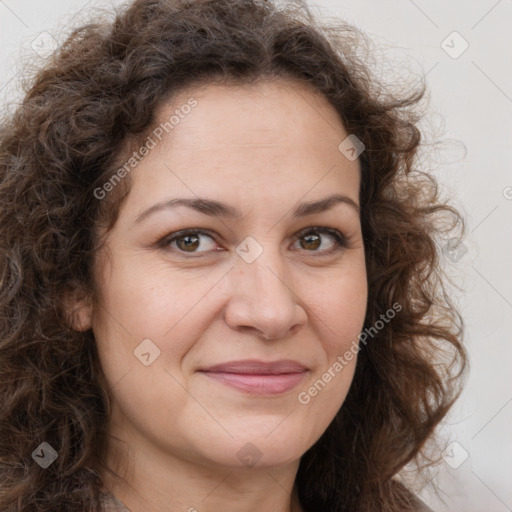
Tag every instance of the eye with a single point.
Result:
(312, 238)
(188, 241)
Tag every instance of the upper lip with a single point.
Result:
(253, 366)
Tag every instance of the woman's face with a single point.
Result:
(181, 323)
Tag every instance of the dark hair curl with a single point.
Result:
(99, 91)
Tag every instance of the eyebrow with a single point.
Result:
(216, 208)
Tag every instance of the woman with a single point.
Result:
(221, 280)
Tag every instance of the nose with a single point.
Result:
(263, 300)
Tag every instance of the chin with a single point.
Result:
(258, 451)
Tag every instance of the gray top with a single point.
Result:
(110, 503)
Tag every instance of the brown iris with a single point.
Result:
(188, 244)
(311, 239)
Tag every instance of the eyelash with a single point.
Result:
(339, 239)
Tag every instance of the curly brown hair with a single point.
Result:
(100, 90)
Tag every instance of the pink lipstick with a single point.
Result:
(258, 377)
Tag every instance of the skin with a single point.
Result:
(261, 149)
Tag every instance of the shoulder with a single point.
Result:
(414, 504)
(109, 503)
(420, 506)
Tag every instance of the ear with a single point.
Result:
(78, 309)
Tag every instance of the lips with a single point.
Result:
(258, 377)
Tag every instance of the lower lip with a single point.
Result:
(259, 384)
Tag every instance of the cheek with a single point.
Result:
(151, 299)
(340, 313)
(340, 307)
(155, 303)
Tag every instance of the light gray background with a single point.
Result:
(471, 110)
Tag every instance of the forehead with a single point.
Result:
(271, 112)
(259, 140)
